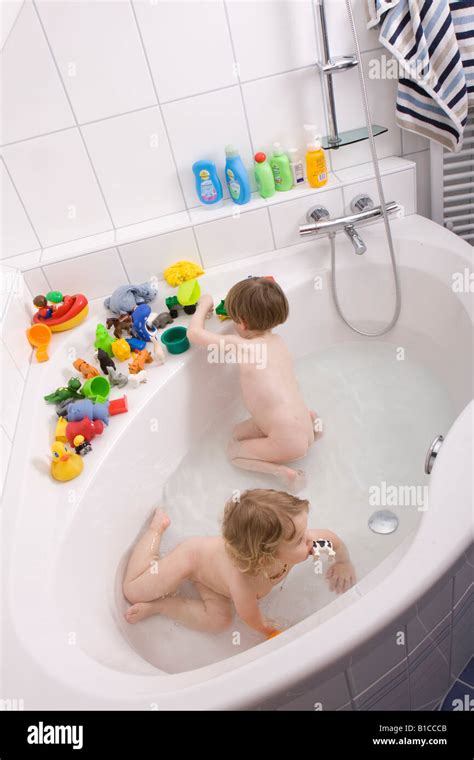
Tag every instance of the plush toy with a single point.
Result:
(124, 299)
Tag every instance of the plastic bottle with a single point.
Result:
(297, 166)
(281, 168)
(316, 167)
(264, 176)
(208, 184)
(236, 176)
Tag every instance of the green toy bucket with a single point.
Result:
(176, 340)
(97, 389)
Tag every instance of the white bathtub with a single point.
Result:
(66, 645)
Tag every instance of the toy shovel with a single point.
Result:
(40, 337)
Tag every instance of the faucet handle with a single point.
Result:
(361, 202)
(317, 214)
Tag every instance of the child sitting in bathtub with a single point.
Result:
(281, 428)
(264, 534)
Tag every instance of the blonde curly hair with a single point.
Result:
(255, 525)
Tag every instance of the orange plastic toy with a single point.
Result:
(142, 358)
(87, 370)
(272, 635)
(69, 313)
(40, 337)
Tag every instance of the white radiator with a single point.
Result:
(452, 185)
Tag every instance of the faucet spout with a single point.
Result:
(356, 240)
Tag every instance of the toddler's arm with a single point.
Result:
(341, 575)
(197, 333)
(246, 604)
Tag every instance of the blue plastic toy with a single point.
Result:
(124, 299)
(139, 318)
(87, 408)
(136, 344)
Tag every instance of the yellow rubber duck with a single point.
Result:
(65, 465)
(182, 271)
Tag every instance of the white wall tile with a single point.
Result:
(286, 217)
(428, 666)
(235, 238)
(5, 451)
(200, 128)
(278, 107)
(33, 98)
(54, 178)
(36, 282)
(341, 40)
(272, 36)
(16, 321)
(149, 257)
(434, 606)
(17, 234)
(95, 275)
(411, 142)
(383, 655)
(12, 384)
(188, 46)
(100, 56)
(423, 182)
(351, 114)
(399, 187)
(390, 693)
(9, 15)
(133, 161)
(329, 695)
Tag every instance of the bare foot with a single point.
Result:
(160, 521)
(294, 480)
(317, 425)
(140, 611)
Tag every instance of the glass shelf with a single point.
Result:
(353, 136)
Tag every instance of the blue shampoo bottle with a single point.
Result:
(236, 176)
(208, 184)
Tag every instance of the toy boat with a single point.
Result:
(68, 314)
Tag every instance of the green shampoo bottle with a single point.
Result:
(264, 176)
(281, 168)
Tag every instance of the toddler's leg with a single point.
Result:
(268, 455)
(147, 576)
(212, 614)
(247, 429)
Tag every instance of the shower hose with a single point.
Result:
(332, 236)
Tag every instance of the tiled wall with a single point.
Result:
(105, 106)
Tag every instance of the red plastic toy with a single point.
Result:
(86, 427)
(118, 406)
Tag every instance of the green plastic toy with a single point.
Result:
(221, 311)
(54, 296)
(103, 339)
(175, 339)
(71, 390)
(97, 389)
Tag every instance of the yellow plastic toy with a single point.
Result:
(60, 434)
(121, 349)
(182, 271)
(65, 464)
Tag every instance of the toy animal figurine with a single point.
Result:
(158, 352)
(86, 427)
(121, 349)
(144, 357)
(136, 344)
(321, 544)
(126, 297)
(103, 339)
(87, 408)
(117, 378)
(139, 318)
(106, 363)
(62, 407)
(87, 370)
(65, 465)
(81, 446)
(158, 321)
(71, 390)
(140, 377)
(124, 322)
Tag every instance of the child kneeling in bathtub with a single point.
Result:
(281, 427)
(264, 535)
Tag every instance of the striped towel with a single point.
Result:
(433, 42)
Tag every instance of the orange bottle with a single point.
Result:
(316, 167)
